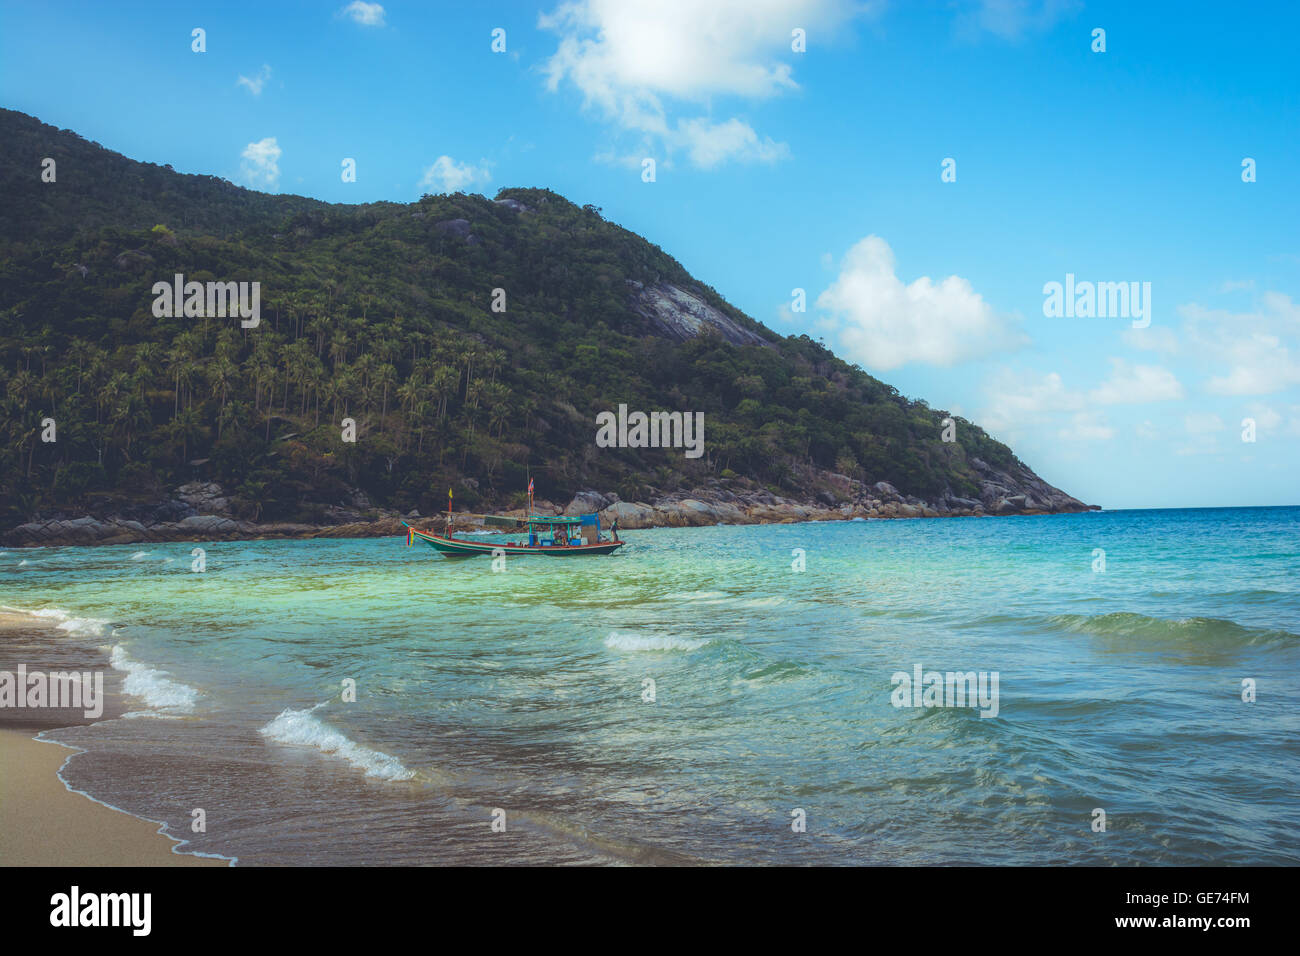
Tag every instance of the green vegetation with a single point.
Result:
(378, 313)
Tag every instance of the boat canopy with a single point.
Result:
(551, 522)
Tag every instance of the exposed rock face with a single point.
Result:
(514, 204)
(459, 228)
(587, 502)
(1019, 491)
(1015, 492)
(207, 498)
(681, 315)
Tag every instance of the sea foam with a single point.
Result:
(637, 642)
(302, 728)
(79, 626)
(165, 697)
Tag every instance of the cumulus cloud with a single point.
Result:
(1136, 385)
(710, 144)
(261, 163)
(448, 176)
(255, 82)
(1017, 400)
(638, 64)
(366, 14)
(884, 323)
(1261, 349)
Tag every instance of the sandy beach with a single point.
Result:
(42, 822)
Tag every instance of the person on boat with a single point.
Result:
(613, 529)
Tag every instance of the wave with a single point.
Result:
(164, 696)
(1196, 630)
(301, 728)
(79, 626)
(637, 642)
(140, 555)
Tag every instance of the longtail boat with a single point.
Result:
(555, 536)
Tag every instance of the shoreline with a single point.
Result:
(44, 821)
(685, 512)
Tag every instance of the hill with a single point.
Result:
(383, 313)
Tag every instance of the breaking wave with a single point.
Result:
(165, 697)
(301, 728)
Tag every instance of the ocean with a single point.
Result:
(718, 695)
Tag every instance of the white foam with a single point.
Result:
(22, 563)
(637, 642)
(299, 727)
(80, 626)
(140, 555)
(165, 697)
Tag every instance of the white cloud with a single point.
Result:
(637, 63)
(1087, 426)
(256, 81)
(1012, 19)
(884, 323)
(1260, 348)
(709, 144)
(1266, 418)
(448, 176)
(1136, 385)
(261, 163)
(366, 14)
(1018, 400)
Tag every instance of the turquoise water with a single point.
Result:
(523, 691)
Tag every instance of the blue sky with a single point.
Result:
(818, 170)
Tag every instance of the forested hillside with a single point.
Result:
(382, 313)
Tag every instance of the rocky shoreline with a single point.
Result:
(199, 511)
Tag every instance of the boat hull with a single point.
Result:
(457, 548)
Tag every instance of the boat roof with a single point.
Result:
(544, 519)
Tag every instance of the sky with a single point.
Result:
(902, 181)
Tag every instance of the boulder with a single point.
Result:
(587, 502)
(205, 497)
(629, 515)
(886, 490)
(459, 228)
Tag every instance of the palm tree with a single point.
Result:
(386, 377)
(222, 373)
(442, 384)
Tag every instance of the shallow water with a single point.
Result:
(523, 691)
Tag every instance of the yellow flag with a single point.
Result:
(448, 492)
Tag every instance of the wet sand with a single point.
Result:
(42, 822)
